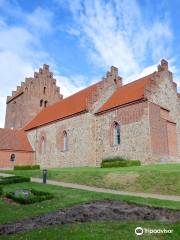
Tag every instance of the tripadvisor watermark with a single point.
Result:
(140, 231)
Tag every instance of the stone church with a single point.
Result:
(139, 120)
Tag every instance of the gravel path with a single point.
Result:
(105, 190)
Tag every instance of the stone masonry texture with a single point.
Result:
(149, 128)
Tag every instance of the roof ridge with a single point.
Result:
(126, 94)
(139, 79)
(61, 100)
(77, 102)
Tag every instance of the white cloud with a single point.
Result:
(73, 31)
(20, 57)
(20, 54)
(66, 87)
(41, 20)
(2, 110)
(114, 33)
(13, 70)
(23, 41)
(117, 33)
(146, 71)
(72, 84)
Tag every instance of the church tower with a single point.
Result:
(31, 97)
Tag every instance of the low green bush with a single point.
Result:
(27, 167)
(35, 196)
(13, 179)
(116, 158)
(119, 162)
(1, 191)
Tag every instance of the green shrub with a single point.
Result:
(1, 191)
(35, 196)
(119, 162)
(116, 158)
(27, 167)
(13, 179)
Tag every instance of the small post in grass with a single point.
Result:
(13, 159)
(45, 173)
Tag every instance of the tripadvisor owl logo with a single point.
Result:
(139, 231)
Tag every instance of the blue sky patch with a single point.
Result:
(80, 40)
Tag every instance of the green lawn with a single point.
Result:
(160, 178)
(64, 197)
(99, 231)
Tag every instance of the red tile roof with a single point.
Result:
(128, 93)
(14, 139)
(74, 104)
(77, 103)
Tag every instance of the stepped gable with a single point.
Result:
(77, 103)
(126, 94)
(74, 104)
(43, 72)
(34, 94)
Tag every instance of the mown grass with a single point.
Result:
(64, 197)
(159, 178)
(99, 231)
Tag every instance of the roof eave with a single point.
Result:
(143, 99)
(59, 119)
(16, 150)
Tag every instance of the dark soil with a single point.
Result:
(95, 211)
(10, 201)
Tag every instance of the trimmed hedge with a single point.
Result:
(13, 179)
(119, 162)
(35, 196)
(27, 167)
(1, 191)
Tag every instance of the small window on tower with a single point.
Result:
(41, 102)
(44, 90)
(45, 103)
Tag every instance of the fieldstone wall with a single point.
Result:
(150, 129)
(89, 138)
(81, 145)
(134, 128)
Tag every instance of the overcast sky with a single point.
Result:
(80, 40)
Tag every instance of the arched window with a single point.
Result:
(44, 90)
(45, 103)
(41, 102)
(65, 141)
(117, 136)
(43, 145)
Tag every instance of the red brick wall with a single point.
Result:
(163, 133)
(158, 131)
(22, 158)
(172, 139)
(131, 113)
(23, 108)
(60, 138)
